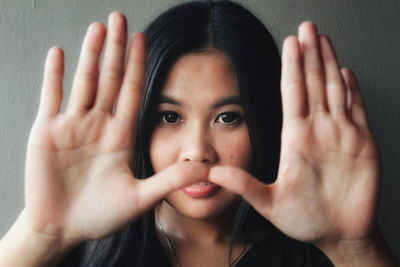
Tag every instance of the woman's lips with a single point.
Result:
(201, 189)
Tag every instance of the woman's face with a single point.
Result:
(200, 118)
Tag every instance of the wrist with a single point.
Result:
(23, 247)
(369, 251)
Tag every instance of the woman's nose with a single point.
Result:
(197, 146)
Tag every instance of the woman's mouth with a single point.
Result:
(201, 189)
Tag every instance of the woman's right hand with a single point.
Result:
(79, 183)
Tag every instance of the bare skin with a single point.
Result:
(327, 188)
(79, 161)
(200, 87)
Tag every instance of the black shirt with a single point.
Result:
(275, 250)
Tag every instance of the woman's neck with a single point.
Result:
(205, 231)
(193, 242)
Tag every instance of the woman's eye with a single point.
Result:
(170, 117)
(229, 118)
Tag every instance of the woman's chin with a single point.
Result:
(217, 202)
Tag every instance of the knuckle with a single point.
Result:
(112, 73)
(119, 40)
(56, 70)
(134, 85)
(339, 110)
(88, 76)
(53, 90)
(315, 75)
(334, 82)
(293, 84)
(92, 52)
(245, 184)
(103, 103)
(136, 61)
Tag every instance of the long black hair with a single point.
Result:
(250, 49)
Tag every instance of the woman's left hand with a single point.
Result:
(328, 180)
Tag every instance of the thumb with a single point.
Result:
(237, 180)
(177, 176)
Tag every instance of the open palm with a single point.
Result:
(79, 183)
(328, 179)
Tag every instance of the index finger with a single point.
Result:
(294, 99)
(130, 97)
(237, 180)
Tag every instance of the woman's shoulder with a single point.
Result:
(276, 249)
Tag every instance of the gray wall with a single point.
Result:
(366, 34)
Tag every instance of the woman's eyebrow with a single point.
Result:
(231, 100)
(163, 99)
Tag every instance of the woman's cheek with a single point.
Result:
(163, 149)
(235, 149)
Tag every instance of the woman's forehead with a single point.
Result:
(206, 72)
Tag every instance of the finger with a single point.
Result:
(152, 190)
(313, 69)
(255, 192)
(86, 77)
(335, 87)
(51, 95)
(356, 107)
(294, 98)
(130, 98)
(112, 69)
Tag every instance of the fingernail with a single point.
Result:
(91, 27)
(112, 19)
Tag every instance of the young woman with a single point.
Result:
(177, 163)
